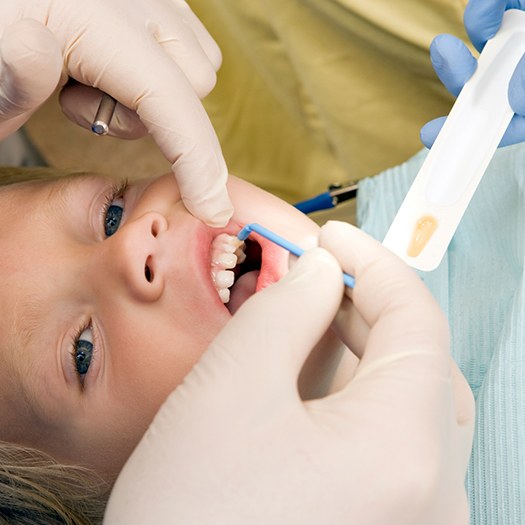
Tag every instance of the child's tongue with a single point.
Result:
(243, 288)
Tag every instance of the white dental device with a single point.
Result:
(433, 207)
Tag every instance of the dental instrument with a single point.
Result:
(434, 205)
(336, 194)
(104, 115)
(283, 243)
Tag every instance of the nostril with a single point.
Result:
(148, 272)
(155, 228)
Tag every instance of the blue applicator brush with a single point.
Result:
(283, 243)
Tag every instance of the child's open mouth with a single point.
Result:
(238, 270)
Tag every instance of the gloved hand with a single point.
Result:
(454, 64)
(235, 444)
(154, 56)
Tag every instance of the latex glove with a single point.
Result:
(235, 444)
(154, 56)
(454, 64)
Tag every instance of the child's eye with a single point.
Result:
(82, 352)
(114, 209)
(113, 218)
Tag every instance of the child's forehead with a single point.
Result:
(40, 183)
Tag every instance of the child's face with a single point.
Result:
(96, 330)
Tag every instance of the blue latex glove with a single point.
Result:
(454, 64)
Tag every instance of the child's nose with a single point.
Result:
(133, 253)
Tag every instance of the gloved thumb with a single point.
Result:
(430, 131)
(259, 353)
(454, 65)
(30, 70)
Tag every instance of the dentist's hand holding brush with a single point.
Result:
(235, 444)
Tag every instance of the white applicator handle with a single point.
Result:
(452, 170)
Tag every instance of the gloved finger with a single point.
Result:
(517, 88)
(283, 323)
(206, 41)
(515, 132)
(388, 293)
(182, 45)
(483, 19)
(144, 78)
(351, 327)
(80, 104)
(30, 68)
(430, 131)
(177, 121)
(452, 62)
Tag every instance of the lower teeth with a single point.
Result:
(224, 294)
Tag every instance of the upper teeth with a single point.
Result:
(226, 252)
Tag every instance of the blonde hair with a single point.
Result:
(37, 490)
(34, 488)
